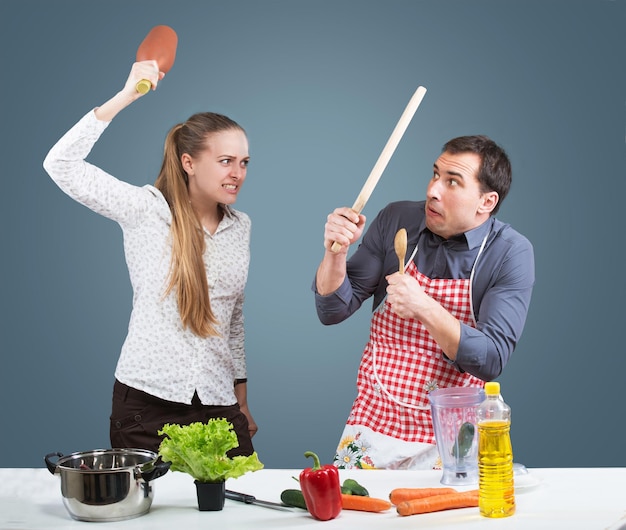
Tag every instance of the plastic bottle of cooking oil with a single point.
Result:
(496, 489)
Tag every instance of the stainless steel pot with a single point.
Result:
(107, 484)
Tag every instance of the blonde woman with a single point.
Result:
(187, 251)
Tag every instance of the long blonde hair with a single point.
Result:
(187, 271)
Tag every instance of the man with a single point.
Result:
(453, 317)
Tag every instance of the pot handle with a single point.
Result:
(157, 471)
(52, 467)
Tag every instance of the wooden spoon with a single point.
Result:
(399, 243)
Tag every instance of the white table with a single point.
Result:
(580, 498)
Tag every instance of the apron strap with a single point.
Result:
(384, 388)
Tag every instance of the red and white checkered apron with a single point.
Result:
(402, 363)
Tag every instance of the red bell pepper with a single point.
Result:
(321, 489)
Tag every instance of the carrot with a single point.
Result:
(363, 503)
(436, 503)
(399, 495)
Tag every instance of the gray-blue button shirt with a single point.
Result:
(501, 290)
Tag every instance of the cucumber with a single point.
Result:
(463, 443)
(293, 497)
(352, 487)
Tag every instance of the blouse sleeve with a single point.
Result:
(88, 184)
(236, 338)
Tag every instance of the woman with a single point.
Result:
(187, 251)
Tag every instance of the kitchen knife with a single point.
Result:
(251, 499)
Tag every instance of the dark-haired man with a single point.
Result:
(453, 317)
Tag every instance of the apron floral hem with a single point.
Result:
(355, 451)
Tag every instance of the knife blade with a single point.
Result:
(251, 499)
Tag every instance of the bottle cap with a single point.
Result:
(492, 388)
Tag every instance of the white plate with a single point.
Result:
(524, 479)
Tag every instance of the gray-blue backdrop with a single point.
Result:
(319, 86)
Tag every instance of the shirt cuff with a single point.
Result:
(343, 292)
(99, 125)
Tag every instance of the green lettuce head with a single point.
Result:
(199, 449)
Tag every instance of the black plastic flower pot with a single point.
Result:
(211, 495)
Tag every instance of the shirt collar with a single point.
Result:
(473, 238)
(228, 211)
(227, 219)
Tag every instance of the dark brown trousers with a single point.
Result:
(136, 418)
